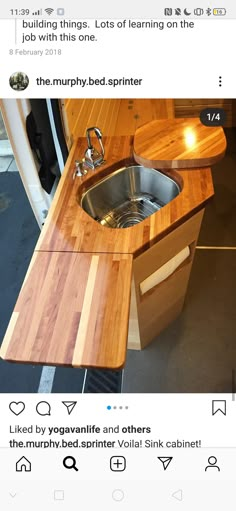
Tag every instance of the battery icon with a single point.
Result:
(219, 12)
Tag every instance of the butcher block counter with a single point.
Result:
(80, 302)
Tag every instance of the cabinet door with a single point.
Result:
(159, 306)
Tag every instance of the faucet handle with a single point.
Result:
(79, 170)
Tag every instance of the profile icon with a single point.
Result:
(19, 81)
(212, 463)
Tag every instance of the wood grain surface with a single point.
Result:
(159, 306)
(178, 143)
(192, 108)
(69, 228)
(115, 117)
(73, 310)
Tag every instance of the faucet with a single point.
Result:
(92, 157)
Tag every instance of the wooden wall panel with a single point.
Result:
(83, 113)
(193, 107)
(119, 117)
(133, 113)
(115, 117)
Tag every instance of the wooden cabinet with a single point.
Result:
(154, 310)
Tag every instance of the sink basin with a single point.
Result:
(128, 196)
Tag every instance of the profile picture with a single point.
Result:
(19, 81)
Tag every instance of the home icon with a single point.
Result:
(23, 465)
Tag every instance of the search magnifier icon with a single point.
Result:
(70, 462)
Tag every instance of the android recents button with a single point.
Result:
(118, 495)
(59, 495)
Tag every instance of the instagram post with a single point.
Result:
(154, 314)
(117, 255)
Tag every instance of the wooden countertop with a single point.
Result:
(70, 229)
(73, 308)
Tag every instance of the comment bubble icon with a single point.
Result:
(43, 408)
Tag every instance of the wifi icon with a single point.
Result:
(49, 11)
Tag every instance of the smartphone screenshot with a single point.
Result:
(117, 256)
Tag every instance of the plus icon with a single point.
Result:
(117, 463)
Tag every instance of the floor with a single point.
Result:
(197, 353)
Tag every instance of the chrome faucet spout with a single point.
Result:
(93, 157)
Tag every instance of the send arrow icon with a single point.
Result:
(165, 461)
(69, 405)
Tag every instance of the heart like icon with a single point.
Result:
(17, 408)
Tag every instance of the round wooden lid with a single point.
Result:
(178, 144)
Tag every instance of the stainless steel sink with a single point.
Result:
(128, 196)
